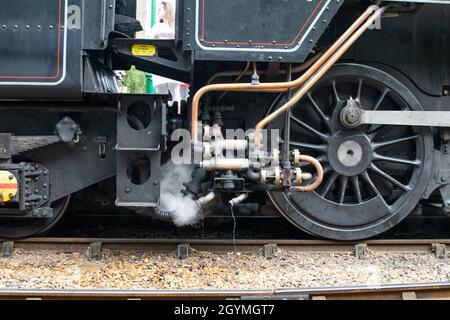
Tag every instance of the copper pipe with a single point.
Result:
(240, 74)
(313, 186)
(317, 75)
(268, 90)
(277, 85)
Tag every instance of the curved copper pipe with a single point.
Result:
(277, 85)
(317, 75)
(316, 164)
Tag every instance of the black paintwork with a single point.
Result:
(260, 30)
(32, 31)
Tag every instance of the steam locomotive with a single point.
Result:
(335, 112)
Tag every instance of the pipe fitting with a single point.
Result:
(203, 202)
(319, 178)
(253, 175)
(224, 164)
(238, 200)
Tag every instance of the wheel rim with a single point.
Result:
(374, 175)
(17, 228)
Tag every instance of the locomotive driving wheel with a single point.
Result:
(17, 228)
(374, 175)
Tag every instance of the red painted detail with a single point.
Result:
(8, 186)
(258, 43)
(58, 54)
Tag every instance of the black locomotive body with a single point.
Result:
(356, 95)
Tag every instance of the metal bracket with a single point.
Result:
(34, 191)
(7, 249)
(409, 295)
(361, 251)
(225, 183)
(168, 60)
(42, 213)
(440, 250)
(443, 177)
(95, 251)
(139, 131)
(183, 251)
(270, 250)
(445, 194)
(101, 142)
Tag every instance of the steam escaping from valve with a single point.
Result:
(186, 210)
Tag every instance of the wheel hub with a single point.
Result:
(350, 153)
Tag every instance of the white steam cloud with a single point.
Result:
(186, 209)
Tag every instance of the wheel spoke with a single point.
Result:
(358, 93)
(317, 133)
(356, 189)
(326, 170)
(318, 147)
(378, 145)
(366, 178)
(381, 99)
(274, 103)
(389, 178)
(342, 188)
(329, 184)
(335, 92)
(379, 130)
(380, 157)
(322, 159)
(318, 110)
(369, 181)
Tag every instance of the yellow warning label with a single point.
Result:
(8, 186)
(145, 50)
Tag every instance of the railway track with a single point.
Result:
(214, 245)
(423, 291)
(94, 246)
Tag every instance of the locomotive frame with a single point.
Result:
(62, 135)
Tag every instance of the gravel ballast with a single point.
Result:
(44, 269)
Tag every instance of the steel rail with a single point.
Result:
(385, 292)
(215, 245)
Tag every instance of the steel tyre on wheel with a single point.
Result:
(374, 175)
(18, 228)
